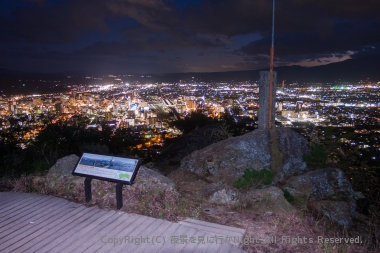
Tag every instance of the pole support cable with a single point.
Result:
(271, 71)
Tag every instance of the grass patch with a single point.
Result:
(317, 157)
(253, 178)
(288, 196)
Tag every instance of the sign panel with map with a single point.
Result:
(111, 168)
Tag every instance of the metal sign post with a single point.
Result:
(120, 170)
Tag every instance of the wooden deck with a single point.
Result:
(40, 223)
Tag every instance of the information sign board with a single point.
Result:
(110, 168)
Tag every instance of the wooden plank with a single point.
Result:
(227, 247)
(125, 232)
(11, 196)
(95, 242)
(33, 230)
(118, 232)
(155, 237)
(217, 244)
(77, 233)
(11, 228)
(6, 197)
(88, 239)
(234, 249)
(33, 212)
(197, 247)
(215, 229)
(148, 232)
(18, 202)
(166, 236)
(135, 221)
(169, 244)
(12, 213)
(213, 225)
(178, 247)
(60, 229)
(62, 226)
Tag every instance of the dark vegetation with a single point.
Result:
(59, 140)
(253, 178)
(328, 150)
(197, 119)
(317, 157)
(200, 131)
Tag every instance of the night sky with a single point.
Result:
(166, 36)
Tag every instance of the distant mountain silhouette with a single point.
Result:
(10, 72)
(353, 70)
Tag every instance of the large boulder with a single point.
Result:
(64, 166)
(220, 194)
(337, 211)
(322, 184)
(327, 192)
(59, 178)
(61, 171)
(267, 200)
(293, 147)
(147, 178)
(226, 161)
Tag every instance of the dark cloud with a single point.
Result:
(156, 14)
(346, 36)
(235, 17)
(313, 30)
(55, 24)
(369, 50)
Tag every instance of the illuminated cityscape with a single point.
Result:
(146, 110)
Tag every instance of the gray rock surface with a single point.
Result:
(267, 200)
(150, 178)
(226, 161)
(337, 211)
(292, 147)
(322, 184)
(64, 166)
(220, 194)
(59, 175)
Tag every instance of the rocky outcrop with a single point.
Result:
(268, 200)
(327, 191)
(152, 179)
(60, 179)
(292, 147)
(226, 161)
(322, 184)
(61, 170)
(171, 156)
(220, 194)
(338, 211)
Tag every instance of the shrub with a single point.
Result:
(288, 196)
(253, 178)
(317, 157)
